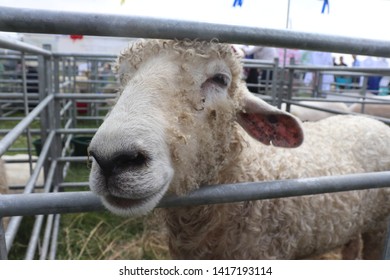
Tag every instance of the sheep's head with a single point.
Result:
(173, 124)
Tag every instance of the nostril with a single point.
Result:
(120, 161)
(105, 165)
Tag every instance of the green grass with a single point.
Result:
(21, 141)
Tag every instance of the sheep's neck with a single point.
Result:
(194, 232)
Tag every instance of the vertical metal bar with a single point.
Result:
(26, 108)
(54, 109)
(46, 237)
(320, 84)
(290, 88)
(74, 107)
(3, 244)
(56, 75)
(42, 94)
(53, 247)
(275, 77)
(14, 222)
(12, 229)
(387, 245)
(363, 91)
(34, 239)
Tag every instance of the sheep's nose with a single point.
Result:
(117, 163)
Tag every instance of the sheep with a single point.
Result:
(311, 114)
(378, 110)
(184, 119)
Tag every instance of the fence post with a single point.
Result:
(3, 245)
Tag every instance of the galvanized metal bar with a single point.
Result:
(12, 228)
(91, 96)
(71, 202)
(77, 130)
(61, 22)
(3, 245)
(40, 162)
(26, 109)
(47, 237)
(386, 254)
(385, 120)
(34, 238)
(276, 80)
(14, 222)
(73, 185)
(87, 56)
(13, 44)
(54, 237)
(10, 138)
(49, 203)
(279, 188)
(17, 95)
(340, 70)
(73, 159)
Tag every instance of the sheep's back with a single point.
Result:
(333, 146)
(300, 226)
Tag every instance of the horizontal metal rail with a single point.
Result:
(338, 69)
(13, 44)
(72, 202)
(61, 22)
(85, 95)
(385, 120)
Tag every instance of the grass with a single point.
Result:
(105, 236)
(94, 235)
(21, 141)
(102, 235)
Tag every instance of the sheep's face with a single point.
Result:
(172, 125)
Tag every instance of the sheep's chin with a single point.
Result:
(132, 207)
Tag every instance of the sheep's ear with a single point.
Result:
(269, 125)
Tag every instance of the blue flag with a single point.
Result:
(237, 3)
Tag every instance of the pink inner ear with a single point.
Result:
(280, 129)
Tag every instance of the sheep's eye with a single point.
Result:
(220, 79)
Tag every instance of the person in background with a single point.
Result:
(373, 81)
(317, 58)
(341, 61)
(355, 79)
(342, 81)
(260, 53)
(355, 61)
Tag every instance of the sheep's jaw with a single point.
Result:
(131, 192)
(132, 207)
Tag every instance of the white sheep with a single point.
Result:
(378, 110)
(311, 114)
(184, 119)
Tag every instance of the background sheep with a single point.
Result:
(309, 114)
(379, 110)
(184, 119)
